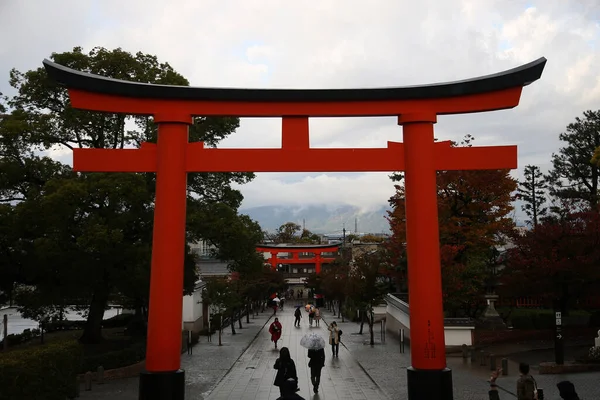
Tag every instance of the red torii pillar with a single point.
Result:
(172, 157)
(318, 262)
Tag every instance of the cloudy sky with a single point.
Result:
(339, 44)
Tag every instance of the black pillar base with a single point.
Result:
(162, 385)
(429, 384)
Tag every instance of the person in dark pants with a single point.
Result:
(316, 364)
(286, 369)
(298, 315)
(334, 338)
(289, 391)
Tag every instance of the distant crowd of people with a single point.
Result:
(286, 378)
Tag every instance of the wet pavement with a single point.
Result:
(252, 376)
(204, 368)
(243, 367)
(387, 365)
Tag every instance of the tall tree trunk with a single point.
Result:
(248, 312)
(221, 330)
(233, 321)
(362, 321)
(371, 322)
(240, 317)
(92, 331)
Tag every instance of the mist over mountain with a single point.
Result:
(321, 218)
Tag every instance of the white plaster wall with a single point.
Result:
(453, 335)
(192, 308)
(458, 335)
(401, 317)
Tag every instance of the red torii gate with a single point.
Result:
(295, 250)
(172, 157)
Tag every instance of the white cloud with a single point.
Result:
(340, 43)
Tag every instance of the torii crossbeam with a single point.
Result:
(172, 157)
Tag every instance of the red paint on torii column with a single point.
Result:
(173, 157)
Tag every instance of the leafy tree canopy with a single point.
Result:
(91, 233)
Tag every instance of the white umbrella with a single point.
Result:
(276, 299)
(312, 341)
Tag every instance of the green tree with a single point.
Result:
(286, 233)
(92, 231)
(532, 191)
(308, 237)
(367, 285)
(217, 295)
(573, 176)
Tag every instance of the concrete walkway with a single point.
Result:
(387, 365)
(252, 375)
(204, 368)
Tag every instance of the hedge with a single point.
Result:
(46, 372)
(133, 354)
(118, 321)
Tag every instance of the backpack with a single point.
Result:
(297, 313)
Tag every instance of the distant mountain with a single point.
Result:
(321, 219)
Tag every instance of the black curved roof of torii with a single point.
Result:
(516, 77)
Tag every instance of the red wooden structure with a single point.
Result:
(317, 257)
(172, 157)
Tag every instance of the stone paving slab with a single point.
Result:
(204, 368)
(252, 376)
(387, 365)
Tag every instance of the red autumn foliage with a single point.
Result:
(474, 212)
(559, 261)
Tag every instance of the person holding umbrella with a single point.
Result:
(275, 331)
(316, 352)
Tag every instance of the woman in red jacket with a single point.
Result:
(275, 331)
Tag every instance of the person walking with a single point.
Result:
(288, 391)
(526, 385)
(286, 369)
(311, 316)
(317, 316)
(297, 315)
(275, 331)
(316, 364)
(566, 390)
(334, 338)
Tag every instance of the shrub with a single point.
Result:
(594, 320)
(522, 322)
(40, 373)
(118, 321)
(594, 354)
(16, 339)
(543, 321)
(114, 359)
(64, 326)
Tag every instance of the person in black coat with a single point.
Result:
(286, 369)
(316, 364)
(289, 390)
